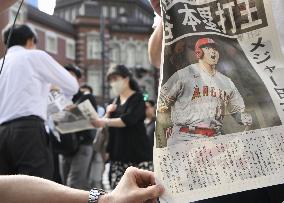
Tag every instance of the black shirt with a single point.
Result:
(130, 143)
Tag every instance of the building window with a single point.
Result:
(67, 15)
(82, 10)
(13, 13)
(105, 11)
(115, 54)
(121, 10)
(131, 52)
(51, 43)
(70, 49)
(94, 78)
(94, 46)
(139, 56)
(73, 14)
(113, 12)
(61, 14)
(146, 62)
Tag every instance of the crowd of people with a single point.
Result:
(127, 132)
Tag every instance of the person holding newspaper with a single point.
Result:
(128, 142)
(75, 161)
(273, 194)
(25, 84)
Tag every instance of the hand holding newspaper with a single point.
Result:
(75, 119)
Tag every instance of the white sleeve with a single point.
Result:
(52, 72)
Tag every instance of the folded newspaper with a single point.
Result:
(220, 108)
(56, 102)
(76, 119)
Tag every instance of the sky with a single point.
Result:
(46, 6)
(33, 2)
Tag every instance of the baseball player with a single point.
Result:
(199, 97)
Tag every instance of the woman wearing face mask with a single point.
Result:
(128, 143)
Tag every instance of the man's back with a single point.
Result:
(24, 83)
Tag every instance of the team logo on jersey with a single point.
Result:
(210, 92)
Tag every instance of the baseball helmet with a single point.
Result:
(199, 44)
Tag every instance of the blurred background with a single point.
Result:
(93, 34)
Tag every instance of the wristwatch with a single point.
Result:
(95, 195)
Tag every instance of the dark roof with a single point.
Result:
(67, 3)
(63, 3)
(130, 26)
(50, 20)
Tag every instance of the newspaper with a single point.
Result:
(76, 119)
(220, 108)
(56, 102)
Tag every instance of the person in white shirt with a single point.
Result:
(25, 82)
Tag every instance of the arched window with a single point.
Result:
(139, 56)
(145, 57)
(94, 46)
(131, 55)
(115, 54)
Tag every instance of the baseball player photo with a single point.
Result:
(198, 97)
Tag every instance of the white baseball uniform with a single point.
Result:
(198, 99)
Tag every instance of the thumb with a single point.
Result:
(151, 192)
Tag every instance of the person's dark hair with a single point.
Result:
(151, 102)
(74, 69)
(20, 35)
(87, 87)
(124, 72)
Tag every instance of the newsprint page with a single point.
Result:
(221, 99)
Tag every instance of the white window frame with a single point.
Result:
(105, 11)
(94, 48)
(68, 53)
(12, 14)
(73, 13)
(144, 51)
(47, 47)
(131, 61)
(122, 10)
(94, 78)
(113, 12)
(116, 57)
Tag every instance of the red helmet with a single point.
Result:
(201, 42)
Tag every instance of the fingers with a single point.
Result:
(150, 193)
(143, 178)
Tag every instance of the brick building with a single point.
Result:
(94, 34)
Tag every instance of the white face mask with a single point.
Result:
(118, 87)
